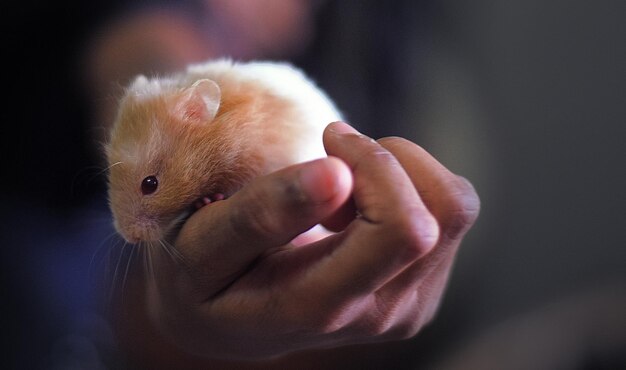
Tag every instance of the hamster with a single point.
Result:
(182, 141)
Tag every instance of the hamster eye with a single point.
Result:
(149, 185)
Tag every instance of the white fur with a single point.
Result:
(281, 78)
(286, 81)
(143, 87)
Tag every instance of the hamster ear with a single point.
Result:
(199, 102)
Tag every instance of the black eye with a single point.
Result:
(149, 185)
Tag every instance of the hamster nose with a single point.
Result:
(133, 238)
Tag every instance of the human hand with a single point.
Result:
(245, 292)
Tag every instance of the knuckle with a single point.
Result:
(428, 316)
(463, 208)
(372, 326)
(313, 315)
(322, 321)
(262, 223)
(328, 324)
(411, 325)
(403, 317)
(381, 317)
(266, 210)
(407, 329)
(254, 220)
(381, 326)
(428, 306)
(416, 232)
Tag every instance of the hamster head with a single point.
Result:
(160, 135)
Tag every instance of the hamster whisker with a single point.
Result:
(144, 259)
(101, 248)
(165, 249)
(111, 166)
(100, 171)
(175, 251)
(83, 178)
(177, 223)
(148, 269)
(128, 264)
(150, 263)
(116, 272)
(172, 252)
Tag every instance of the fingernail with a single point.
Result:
(341, 128)
(317, 181)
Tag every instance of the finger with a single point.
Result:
(223, 239)
(393, 229)
(451, 198)
(340, 219)
(453, 202)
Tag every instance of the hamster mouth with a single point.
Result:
(178, 223)
(196, 205)
(202, 202)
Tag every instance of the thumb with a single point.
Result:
(221, 240)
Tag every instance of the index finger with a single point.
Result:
(394, 228)
(451, 198)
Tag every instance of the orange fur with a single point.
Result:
(253, 133)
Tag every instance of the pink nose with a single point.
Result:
(137, 231)
(132, 239)
(131, 235)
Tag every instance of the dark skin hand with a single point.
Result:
(244, 292)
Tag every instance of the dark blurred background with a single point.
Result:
(525, 98)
